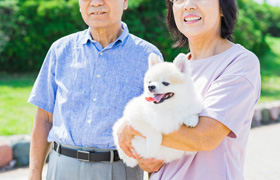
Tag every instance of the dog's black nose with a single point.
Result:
(152, 87)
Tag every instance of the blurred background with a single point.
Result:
(29, 27)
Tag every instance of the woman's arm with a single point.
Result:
(206, 136)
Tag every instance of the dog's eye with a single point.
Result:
(165, 83)
(150, 82)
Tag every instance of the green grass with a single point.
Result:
(270, 71)
(16, 115)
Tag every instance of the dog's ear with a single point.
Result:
(154, 59)
(181, 63)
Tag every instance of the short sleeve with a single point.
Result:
(230, 100)
(43, 93)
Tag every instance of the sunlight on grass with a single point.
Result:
(16, 115)
(274, 43)
(270, 89)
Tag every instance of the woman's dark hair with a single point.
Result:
(229, 10)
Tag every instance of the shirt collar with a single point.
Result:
(86, 36)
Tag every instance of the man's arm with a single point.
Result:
(39, 146)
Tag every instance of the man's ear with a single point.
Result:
(125, 4)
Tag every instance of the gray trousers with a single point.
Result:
(61, 167)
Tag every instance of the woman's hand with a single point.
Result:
(125, 134)
(149, 165)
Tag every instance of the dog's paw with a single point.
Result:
(191, 120)
(131, 162)
(127, 160)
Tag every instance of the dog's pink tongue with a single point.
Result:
(150, 99)
(158, 97)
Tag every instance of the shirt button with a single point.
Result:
(98, 75)
(101, 53)
(94, 99)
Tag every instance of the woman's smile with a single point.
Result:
(191, 18)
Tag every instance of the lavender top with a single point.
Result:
(230, 86)
(86, 87)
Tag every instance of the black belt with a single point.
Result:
(87, 156)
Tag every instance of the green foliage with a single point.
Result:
(252, 26)
(29, 27)
(255, 21)
(270, 71)
(134, 3)
(148, 22)
(274, 20)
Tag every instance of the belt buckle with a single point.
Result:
(80, 153)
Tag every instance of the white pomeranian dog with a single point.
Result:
(169, 100)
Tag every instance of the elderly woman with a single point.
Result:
(228, 78)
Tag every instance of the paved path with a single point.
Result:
(263, 154)
(262, 160)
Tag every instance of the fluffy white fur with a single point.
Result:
(152, 119)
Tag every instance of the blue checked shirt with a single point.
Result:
(86, 87)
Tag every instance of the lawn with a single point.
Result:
(16, 115)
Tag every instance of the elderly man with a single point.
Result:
(84, 83)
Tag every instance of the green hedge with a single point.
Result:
(28, 28)
(148, 22)
(252, 26)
